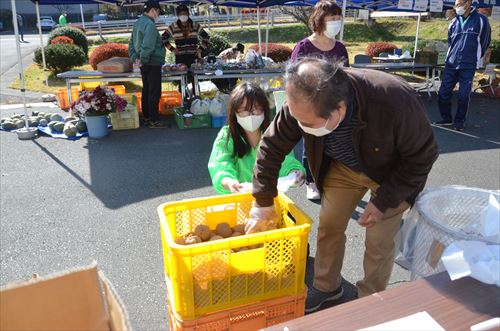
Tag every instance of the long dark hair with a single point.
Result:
(253, 95)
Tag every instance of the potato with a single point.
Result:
(240, 227)
(224, 230)
(242, 249)
(216, 237)
(193, 240)
(180, 241)
(202, 231)
(236, 234)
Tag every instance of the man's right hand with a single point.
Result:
(262, 219)
(232, 185)
(138, 63)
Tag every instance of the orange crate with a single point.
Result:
(119, 89)
(248, 317)
(168, 101)
(62, 97)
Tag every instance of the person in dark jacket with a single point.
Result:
(146, 51)
(357, 137)
(469, 36)
(189, 37)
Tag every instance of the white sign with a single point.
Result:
(420, 5)
(436, 6)
(495, 13)
(363, 14)
(405, 4)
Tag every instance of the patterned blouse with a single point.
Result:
(186, 41)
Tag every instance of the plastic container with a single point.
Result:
(248, 317)
(97, 126)
(89, 86)
(219, 121)
(212, 276)
(193, 122)
(125, 120)
(62, 97)
(119, 89)
(168, 101)
(440, 217)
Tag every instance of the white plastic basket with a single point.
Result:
(440, 217)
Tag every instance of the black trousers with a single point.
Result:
(151, 91)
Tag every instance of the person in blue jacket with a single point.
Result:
(469, 36)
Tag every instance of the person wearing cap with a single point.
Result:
(189, 37)
(146, 51)
(233, 53)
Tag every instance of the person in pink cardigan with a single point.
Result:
(325, 22)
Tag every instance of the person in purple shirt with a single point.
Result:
(325, 22)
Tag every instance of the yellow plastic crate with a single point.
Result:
(125, 120)
(210, 277)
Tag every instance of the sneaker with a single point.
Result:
(459, 126)
(443, 123)
(315, 298)
(312, 192)
(157, 125)
(145, 121)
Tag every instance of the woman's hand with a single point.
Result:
(176, 51)
(300, 178)
(232, 185)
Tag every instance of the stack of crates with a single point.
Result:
(215, 286)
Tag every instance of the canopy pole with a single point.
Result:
(83, 18)
(416, 36)
(37, 6)
(344, 9)
(20, 61)
(267, 30)
(258, 29)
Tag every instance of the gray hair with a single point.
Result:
(319, 81)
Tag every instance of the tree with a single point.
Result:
(61, 8)
(300, 13)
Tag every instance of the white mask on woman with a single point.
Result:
(332, 28)
(250, 123)
(183, 18)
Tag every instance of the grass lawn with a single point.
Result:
(357, 36)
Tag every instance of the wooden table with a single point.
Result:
(454, 305)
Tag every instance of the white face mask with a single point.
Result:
(460, 11)
(319, 132)
(183, 18)
(332, 28)
(250, 123)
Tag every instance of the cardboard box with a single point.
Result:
(80, 299)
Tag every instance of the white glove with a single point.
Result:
(262, 219)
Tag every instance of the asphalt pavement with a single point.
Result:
(66, 203)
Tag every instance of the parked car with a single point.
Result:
(47, 23)
(100, 18)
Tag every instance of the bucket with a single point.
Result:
(97, 126)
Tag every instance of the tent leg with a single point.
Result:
(83, 18)
(344, 9)
(416, 35)
(20, 61)
(267, 30)
(37, 6)
(258, 30)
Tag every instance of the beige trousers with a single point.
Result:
(343, 189)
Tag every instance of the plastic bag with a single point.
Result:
(251, 58)
(200, 107)
(217, 107)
